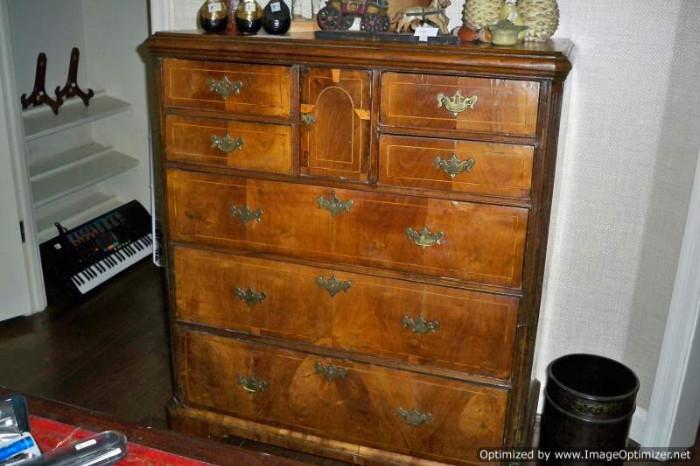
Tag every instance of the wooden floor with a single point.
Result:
(108, 352)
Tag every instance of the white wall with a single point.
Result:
(609, 275)
(676, 157)
(15, 286)
(114, 35)
(623, 180)
(45, 18)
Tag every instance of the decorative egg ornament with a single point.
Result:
(541, 17)
(213, 16)
(276, 17)
(479, 14)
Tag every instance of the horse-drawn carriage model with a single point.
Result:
(341, 14)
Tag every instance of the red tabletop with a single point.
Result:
(53, 423)
(50, 434)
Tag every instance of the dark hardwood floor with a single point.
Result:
(107, 352)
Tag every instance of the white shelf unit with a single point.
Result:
(87, 160)
(74, 213)
(103, 147)
(75, 170)
(41, 121)
(58, 179)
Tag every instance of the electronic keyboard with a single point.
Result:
(89, 255)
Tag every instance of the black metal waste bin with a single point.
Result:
(589, 403)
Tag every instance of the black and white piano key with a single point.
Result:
(120, 260)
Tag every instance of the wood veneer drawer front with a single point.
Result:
(227, 143)
(417, 323)
(467, 241)
(340, 399)
(440, 102)
(454, 165)
(232, 87)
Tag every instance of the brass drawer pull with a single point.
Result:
(332, 285)
(419, 325)
(457, 103)
(252, 384)
(308, 119)
(334, 205)
(245, 215)
(415, 418)
(454, 166)
(225, 87)
(227, 143)
(331, 372)
(424, 238)
(250, 296)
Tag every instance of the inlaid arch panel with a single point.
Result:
(335, 122)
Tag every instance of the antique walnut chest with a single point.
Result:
(356, 235)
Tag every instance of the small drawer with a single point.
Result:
(225, 143)
(384, 408)
(455, 103)
(462, 240)
(417, 323)
(335, 131)
(230, 87)
(453, 165)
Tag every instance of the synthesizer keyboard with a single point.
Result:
(89, 255)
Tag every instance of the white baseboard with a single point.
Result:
(639, 421)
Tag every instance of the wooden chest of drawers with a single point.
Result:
(356, 236)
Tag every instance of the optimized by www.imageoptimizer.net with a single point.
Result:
(534, 454)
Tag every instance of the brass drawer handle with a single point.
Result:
(334, 205)
(245, 215)
(331, 372)
(424, 238)
(227, 143)
(454, 166)
(419, 325)
(250, 296)
(308, 119)
(457, 103)
(332, 285)
(252, 384)
(225, 87)
(414, 418)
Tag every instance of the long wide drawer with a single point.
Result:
(228, 143)
(455, 165)
(467, 241)
(384, 408)
(232, 87)
(457, 103)
(422, 324)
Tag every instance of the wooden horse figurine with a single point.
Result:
(408, 18)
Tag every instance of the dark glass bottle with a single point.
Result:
(276, 17)
(213, 16)
(249, 17)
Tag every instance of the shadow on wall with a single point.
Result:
(674, 170)
(623, 182)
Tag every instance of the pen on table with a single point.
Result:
(17, 459)
(14, 448)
